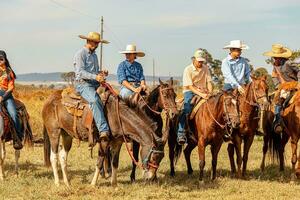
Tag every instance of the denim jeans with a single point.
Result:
(10, 105)
(126, 93)
(187, 109)
(88, 92)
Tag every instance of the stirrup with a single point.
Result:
(181, 140)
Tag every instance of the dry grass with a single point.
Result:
(36, 182)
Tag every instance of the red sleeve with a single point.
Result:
(11, 82)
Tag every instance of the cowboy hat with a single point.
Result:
(94, 36)
(199, 55)
(130, 48)
(279, 51)
(236, 44)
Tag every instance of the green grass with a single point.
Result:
(36, 182)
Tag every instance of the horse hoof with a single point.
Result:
(190, 172)
(172, 174)
(201, 183)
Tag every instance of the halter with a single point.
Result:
(256, 97)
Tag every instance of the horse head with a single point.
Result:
(259, 89)
(231, 108)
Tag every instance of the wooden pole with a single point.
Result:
(101, 46)
(153, 68)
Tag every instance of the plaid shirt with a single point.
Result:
(5, 82)
(131, 72)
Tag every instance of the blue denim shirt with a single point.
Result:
(236, 72)
(86, 65)
(130, 72)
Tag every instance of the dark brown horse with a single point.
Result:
(255, 97)
(121, 119)
(6, 131)
(214, 117)
(160, 98)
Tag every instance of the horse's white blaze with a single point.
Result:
(63, 155)
(54, 162)
(17, 156)
(96, 176)
(2, 157)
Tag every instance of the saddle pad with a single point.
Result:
(196, 108)
(72, 102)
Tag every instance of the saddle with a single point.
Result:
(291, 88)
(197, 102)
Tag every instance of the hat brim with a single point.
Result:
(243, 47)
(287, 54)
(91, 39)
(138, 53)
(200, 59)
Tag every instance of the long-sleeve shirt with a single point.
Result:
(86, 65)
(236, 72)
(131, 72)
(6, 82)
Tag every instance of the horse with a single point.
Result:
(121, 119)
(8, 133)
(160, 98)
(216, 115)
(255, 97)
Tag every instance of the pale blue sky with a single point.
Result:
(41, 36)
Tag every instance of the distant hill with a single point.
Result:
(56, 77)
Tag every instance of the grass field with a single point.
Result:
(36, 182)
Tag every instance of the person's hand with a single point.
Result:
(241, 90)
(138, 89)
(100, 78)
(206, 96)
(144, 87)
(104, 72)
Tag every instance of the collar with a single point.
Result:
(195, 69)
(88, 50)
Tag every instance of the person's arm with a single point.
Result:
(197, 91)
(142, 79)
(209, 83)
(11, 87)
(247, 73)
(188, 84)
(122, 78)
(275, 78)
(79, 67)
(227, 72)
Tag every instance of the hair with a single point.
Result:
(8, 66)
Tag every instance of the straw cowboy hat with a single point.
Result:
(94, 36)
(130, 48)
(279, 51)
(236, 44)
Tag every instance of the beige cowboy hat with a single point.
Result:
(94, 36)
(130, 48)
(279, 51)
(236, 44)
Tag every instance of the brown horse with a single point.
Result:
(213, 118)
(121, 119)
(160, 98)
(255, 97)
(6, 131)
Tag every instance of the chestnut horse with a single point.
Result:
(121, 119)
(6, 131)
(255, 97)
(214, 117)
(160, 98)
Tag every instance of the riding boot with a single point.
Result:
(277, 122)
(17, 141)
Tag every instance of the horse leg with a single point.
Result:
(215, 148)
(265, 150)
(201, 153)
(17, 157)
(54, 141)
(187, 155)
(247, 144)
(230, 150)
(99, 166)
(2, 157)
(115, 152)
(238, 144)
(136, 149)
(63, 155)
(285, 139)
(294, 142)
(171, 144)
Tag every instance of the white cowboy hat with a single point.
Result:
(279, 51)
(236, 44)
(130, 48)
(199, 55)
(94, 36)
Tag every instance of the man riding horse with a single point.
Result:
(196, 81)
(88, 78)
(7, 85)
(130, 73)
(284, 71)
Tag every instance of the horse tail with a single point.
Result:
(178, 151)
(28, 137)
(47, 147)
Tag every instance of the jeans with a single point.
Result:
(10, 105)
(126, 93)
(88, 92)
(187, 109)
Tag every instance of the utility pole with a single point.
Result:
(153, 68)
(101, 45)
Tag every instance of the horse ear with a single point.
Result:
(253, 77)
(264, 77)
(160, 82)
(235, 92)
(171, 81)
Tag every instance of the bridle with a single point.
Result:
(256, 97)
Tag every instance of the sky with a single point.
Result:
(42, 35)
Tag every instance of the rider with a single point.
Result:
(196, 81)
(235, 69)
(284, 70)
(130, 73)
(7, 85)
(88, 78)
